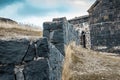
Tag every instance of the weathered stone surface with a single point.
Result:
(60, 19)
(105, 35)
(56, 63)
(104, 25)
(46, 33)
(42, 48)
(57, 36)
(37, 70)
(30, 54)
(19, 76)
(13, 51)
(61, 48)
(19, 72)
(53, 25)
(7, 72)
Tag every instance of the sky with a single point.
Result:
(38, 11)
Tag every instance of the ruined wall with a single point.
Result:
(25, 59)
(62, 31)
(22, 59)
(78, 28)
(54, 32)
(104, 11)
(59, 33)
(56, 63)
(105, 37)
(105, 25)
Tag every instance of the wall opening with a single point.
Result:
(83, 39)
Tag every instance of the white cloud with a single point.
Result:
(10, 11)
(38, 21)
(43, 3)
(77, 8)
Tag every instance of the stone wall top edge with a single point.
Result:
(79, 18)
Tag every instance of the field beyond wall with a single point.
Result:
(83, 64)
(16, 30)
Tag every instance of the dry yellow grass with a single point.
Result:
(83, 64)
(15, 30)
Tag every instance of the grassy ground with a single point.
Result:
(15, 30)
(83, 64)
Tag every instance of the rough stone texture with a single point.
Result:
(56, 63)
(104, 25)
(37, 70)
(19, 76)
(61, 48)
(52, 25)
(13, 51)
(46, 33)
(79, 21)
(42, 47)
(104, 10)
(59, 19)
(56, 36)
(19, 72)
(61, 32)
(73, 30)
(106, 36)
(30, 54)
(23, 52)
(55, 33)
(7, 72)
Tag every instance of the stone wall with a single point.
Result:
(54, 33)
(22, 59)
(78, 29)
(105, 37)
(104, 11)
(61, 31)
(56, 63)
(104, 25)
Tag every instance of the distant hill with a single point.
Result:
(7, 20)
(11, 29)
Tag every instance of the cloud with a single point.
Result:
(4, 3)
(30, 10)
(10, 11)
(38, 11)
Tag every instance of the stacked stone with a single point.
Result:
(56, 63)
(106, 35)
(22, 59)
(71, 34)
(76, 27)
(54, 32)
(105, 25)
(104, 11)
(79, 20)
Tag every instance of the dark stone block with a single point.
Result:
(37, 70)
(60, 47)
(53, 25)
(13, 51)
(30, 54)
(60, 19)
(7, 72)
(42, 48)
(46, 33)
(46, 25)
(57, 36)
